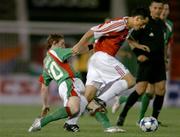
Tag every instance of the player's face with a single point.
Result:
(165, 11)
(156, 9)
(61, 43)
(140, 22)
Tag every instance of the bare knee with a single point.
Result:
(74, 105)
(141, 87)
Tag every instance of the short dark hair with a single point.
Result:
(158, 1)
(53, 37)
(141, 11)
(166, 2)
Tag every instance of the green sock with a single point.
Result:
(144, 105)
(58, 114)
(103, 119)
(123, 99)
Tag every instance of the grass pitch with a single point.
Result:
(16, 119)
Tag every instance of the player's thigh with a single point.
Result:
(78, 85)
(110, 69)
(130, 79)
(141, 87)
(93, 77)
(67, 90)
(150, 89)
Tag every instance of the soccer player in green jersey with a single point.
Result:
(57, 68)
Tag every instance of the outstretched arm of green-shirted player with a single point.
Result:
(44, 96)
(44, 80)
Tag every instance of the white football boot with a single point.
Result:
(114, 130)
(36, 126)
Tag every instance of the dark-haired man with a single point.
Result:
(151, 64)
(103, 69)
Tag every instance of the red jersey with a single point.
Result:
(110, 35)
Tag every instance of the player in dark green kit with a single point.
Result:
(151, 63)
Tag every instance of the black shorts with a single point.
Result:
(151, 72)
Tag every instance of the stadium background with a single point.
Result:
(25, 24)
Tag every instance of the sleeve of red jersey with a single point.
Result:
(41, 79)
(107, 27)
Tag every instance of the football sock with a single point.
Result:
(144, 105)
(58, 114)
(116, 88)
(103, 119)
(122, 99)
(133, 97)
(157, 105)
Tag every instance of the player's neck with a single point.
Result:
(129, 22)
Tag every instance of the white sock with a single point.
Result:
(83, 104)
(116, 89)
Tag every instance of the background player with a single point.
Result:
(148, 72)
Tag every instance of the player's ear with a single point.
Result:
(136, 18)
(53, 42)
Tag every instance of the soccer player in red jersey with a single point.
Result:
(104, 70)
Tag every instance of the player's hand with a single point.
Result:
(142, 58)
(144, 47)
(75, 50)
(44, 111)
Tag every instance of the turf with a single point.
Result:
(15, 120)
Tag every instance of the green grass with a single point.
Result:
(15, 120)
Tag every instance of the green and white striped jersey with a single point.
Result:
(168, 32)
(56, 66)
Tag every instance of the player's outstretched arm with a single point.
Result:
(44, 96)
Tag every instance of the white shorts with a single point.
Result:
(63, 89)
(103, 68)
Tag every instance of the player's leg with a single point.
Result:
(118, 87)
(132, 98)
(97, 69)
(141, 85)
(71, 107)
(145, 100)
(60, 113)
(116, 104)
(71, 123)
(159, 98)
(160, 88)
(100, 117)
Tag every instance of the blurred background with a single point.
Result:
(25, 25)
